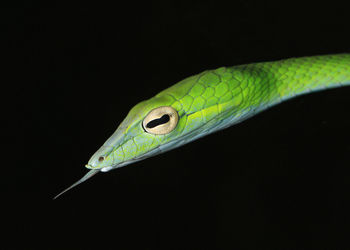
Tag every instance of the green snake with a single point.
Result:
(211, 101)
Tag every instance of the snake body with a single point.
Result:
(213, 100)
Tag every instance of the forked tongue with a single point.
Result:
(84, 178)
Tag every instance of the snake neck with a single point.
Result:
(258, 86)
(285, 79)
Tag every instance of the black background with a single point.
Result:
(280, 180)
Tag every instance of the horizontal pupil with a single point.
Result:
(156, 122)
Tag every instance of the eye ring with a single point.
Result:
(161, 120)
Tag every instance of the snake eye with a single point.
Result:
(160, 120)
(101, 158)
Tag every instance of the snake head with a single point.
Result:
(184, 112)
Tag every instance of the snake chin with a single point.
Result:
(106, 169)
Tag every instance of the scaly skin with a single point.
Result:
(216, 99)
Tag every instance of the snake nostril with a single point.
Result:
(101, 158)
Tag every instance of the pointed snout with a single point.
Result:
(100, 159)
